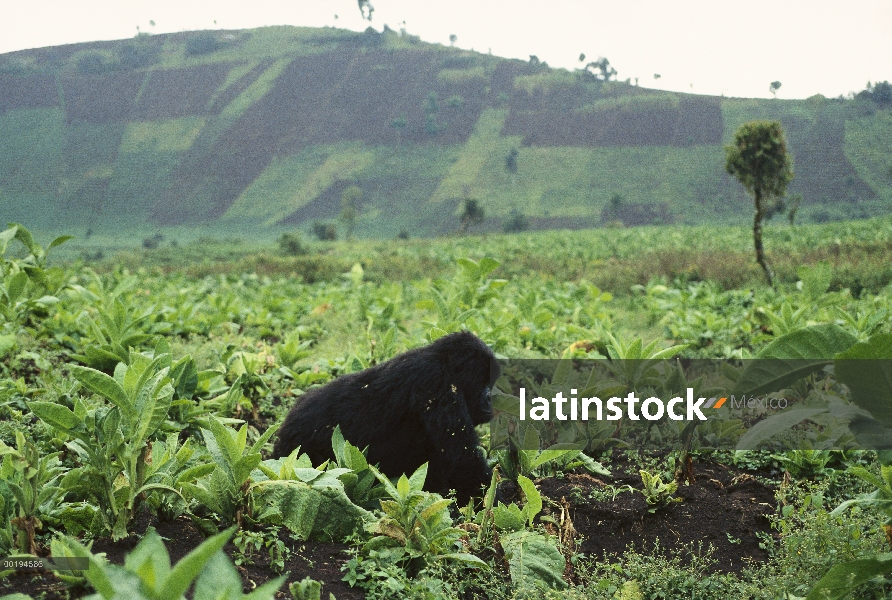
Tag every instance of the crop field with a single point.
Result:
(140, 395)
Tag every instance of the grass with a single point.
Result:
(293, 182)
(613, 259)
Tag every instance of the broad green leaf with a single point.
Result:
(842, 579)
(508, 517)
(227, 451)
(100, 383)
(185, 377)
(59, 241)
(822, 341)
(388, 486)
(533, 561)
(549, 455)
(534, 499)
(531, 439)
(150, 560)
(57, 416)
(416, 481)
(463, 557)
(187, 570)
(152, 404)
(793, 356)
(402, 486)
(312, 513)
(775, 424)
(435, 508)
(337, 443)
(264, 438)
(15, 286)
(7, 343)
(219, 580)
(866, 369)
(23, 235)
(7, 236)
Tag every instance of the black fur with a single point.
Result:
(418, 407)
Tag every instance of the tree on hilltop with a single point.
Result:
(759, 160)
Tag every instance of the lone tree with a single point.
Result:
(759, 160)
(472, 214)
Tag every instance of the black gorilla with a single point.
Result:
(418, 407)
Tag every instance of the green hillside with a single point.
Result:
(266, 128)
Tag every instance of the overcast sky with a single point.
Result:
(716, 47)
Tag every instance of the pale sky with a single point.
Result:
(715, 47)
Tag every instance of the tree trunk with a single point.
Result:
(757, 239)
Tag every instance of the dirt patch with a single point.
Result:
(694, 121)
(29, 91)
(724, 509)
(175, 93)
(101, 98)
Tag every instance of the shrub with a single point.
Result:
(203, 42)
(137, 56)
(150, 243)
(291, 244)
(325, 231)
(96, 63)
(516, 222)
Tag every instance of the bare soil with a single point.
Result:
(175, 93)
(723, 509)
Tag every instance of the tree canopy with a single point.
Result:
(758, 158)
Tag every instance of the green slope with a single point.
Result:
(267, 127)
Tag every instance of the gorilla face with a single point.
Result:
(480, 408)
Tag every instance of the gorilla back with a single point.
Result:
(418, 407)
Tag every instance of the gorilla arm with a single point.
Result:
(457, 462)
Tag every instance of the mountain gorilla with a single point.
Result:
(419, 407)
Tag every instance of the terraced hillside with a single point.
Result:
(268, 127)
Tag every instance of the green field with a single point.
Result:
(211, 340)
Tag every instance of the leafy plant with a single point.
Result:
(360, 482)
(148, 575)
(657, 493)
(311, 502)
(805, 463)
(112, 442)
(534, 560)
(111, 334)
(879, 499)
(33, 480)
(416, 526)
(27, 286)
(307, 589)
(248, 543)
(226, 490)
